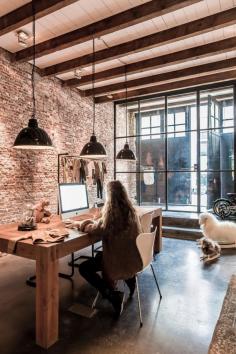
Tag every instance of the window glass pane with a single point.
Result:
(215, 102)
(153, 108)
(145, 131)
(145, 122)
(179, 128)
(217, 111)
(228, 112)
(215, 185)
(145, 137)
(155, 121)
(132, 115)
(152, 153)
(212, 109)
(193, 120)
(155, 130)
(171, 128)
(227, 149)
(212, 122)
(122, 165)
(182, 151)
(171, 119)
(152, 188)
(210, 150)
(228, 123)
(182, 191)
(203, 116)
(180, 118)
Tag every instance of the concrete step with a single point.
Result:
(190, 223)
(181, 232)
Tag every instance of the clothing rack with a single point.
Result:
(83, 173)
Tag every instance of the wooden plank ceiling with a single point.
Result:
(161, 44)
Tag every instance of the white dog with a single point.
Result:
(223, 232)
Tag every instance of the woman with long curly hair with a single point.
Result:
(118, 227)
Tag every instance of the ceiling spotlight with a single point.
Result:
(110, 96)
(22, 38)
(78, 73)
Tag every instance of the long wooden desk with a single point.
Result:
(47, 268)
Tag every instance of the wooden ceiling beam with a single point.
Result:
(197, 27)
(212, 48)
(23, 15)
(171, 75)
(105, 26)
(207, 79)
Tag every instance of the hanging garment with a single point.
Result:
(90, 173)
(76, 170)
(82, 171)
(98, 178)
(65, 170)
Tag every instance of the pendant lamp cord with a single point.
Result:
(33, 65)
(93, 83)
(126, 109)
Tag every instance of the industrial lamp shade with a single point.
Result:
(33, 137)
(125, 153)
(93, 149)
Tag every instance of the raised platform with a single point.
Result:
(181, 225)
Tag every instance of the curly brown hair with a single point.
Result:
(118, 212)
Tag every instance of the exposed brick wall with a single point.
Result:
(30, 175)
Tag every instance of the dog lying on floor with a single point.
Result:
(210, 249)
(223, 232)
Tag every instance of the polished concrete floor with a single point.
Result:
(182, 323)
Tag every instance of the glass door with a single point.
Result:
(182, 152)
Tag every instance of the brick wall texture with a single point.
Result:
(28, 176)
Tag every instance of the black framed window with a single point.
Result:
(185, 148)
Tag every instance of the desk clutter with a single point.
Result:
(38, 237)
(34, 214)
(75, 169)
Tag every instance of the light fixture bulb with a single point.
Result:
(78, 73)
(22, 37)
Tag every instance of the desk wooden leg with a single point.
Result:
(157, 222)
(47, 297)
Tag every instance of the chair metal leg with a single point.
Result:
(139, 304)
(72, 262)
(156, 280)
(95, 300)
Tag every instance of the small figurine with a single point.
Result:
(40, 213)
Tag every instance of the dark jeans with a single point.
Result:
(89, 271)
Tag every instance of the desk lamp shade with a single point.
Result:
(33, 137)
(126, 153)
(93, 149)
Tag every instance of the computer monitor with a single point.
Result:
(73, 199)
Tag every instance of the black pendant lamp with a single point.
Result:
(93, 149)
(126, 153)
(33, 137)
